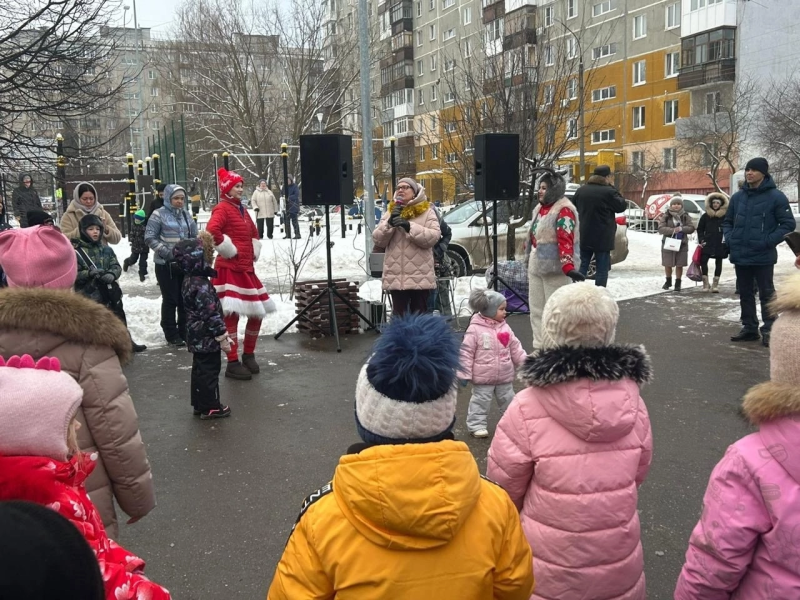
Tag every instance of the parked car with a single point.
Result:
(635, 216)
(470, 249)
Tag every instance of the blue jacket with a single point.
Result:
(755, 224)
(293, 202)
(166, 227)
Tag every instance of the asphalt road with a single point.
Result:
(229, 491)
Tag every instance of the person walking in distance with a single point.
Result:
(292, 196)
(598, 202)
(758, 218)
(25, 198)
(709, 234)
(265, 207)
(139, 248)
(675, 222)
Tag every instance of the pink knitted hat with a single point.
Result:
(38, 257)
(39, 401)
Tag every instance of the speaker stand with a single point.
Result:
(330, 291)
(495, 277)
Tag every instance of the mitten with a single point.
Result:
(576, 276)
(107, 277)
(224, 342)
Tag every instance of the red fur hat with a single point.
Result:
(227, 179)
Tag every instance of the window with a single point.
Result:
(670, 112)
(151, 74)
(549, 16)
(670, 159)
(639, 72)
(708, 47)
(432, 5)
(606, 135)
(674, 15)
(432, 32)
(466, 15)
(449, 34)
(450, 97)
(111, 124)
(420, 68)
(572, 47)
(637, 160)
(435, 151)
(154, 109)
(604, 93)
(420, 97)
(549, 94)
(449, 65)
(572, 89)
(713, 102)
(572, 128)
(601, 8)
(697, 4)
(419, 8)
(639, 26)
(549, 55)
(604, 51)
(467, 48)
(419, 38)
(494, 30)
(638, 117)
(450, 126)
(434, 97)
(672, 64)
(153, 92)
(433, 62)
(572, 9)
(448, 3)
(155, 125)
(451, 157)
(422, 154)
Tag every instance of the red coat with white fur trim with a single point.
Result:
(235, 236)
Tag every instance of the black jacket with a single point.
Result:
(441, 246)
(597, 204)
(24, 199)
(709, 228)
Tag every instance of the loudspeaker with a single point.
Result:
(497, 166)
(326, 164)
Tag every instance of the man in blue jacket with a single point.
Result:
(756, 222)
(292, 209)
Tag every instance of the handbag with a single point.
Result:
(698, 254)
(694, 272)
(672, 244)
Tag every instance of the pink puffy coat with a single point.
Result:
(747, 543)
(571, 451)
(490, 352)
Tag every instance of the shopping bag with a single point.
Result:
(694, 272)
(672, 244)
(698, 254)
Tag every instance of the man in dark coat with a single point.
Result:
(598, 202)
(25, 198)
(158, 201)
(292, 208)
(757, 220)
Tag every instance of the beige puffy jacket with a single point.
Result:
(408, 264)
(75, 212)
(91, 344)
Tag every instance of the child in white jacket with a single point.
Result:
(490, 354)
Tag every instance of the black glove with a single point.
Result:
(95, 272)
(107, 277)
(576, 276)
(402, 223)
(395, 217)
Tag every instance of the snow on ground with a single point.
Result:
(639, 275)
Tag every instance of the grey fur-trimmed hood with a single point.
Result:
(605, 363)
(556, 188)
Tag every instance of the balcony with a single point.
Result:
(711, 72)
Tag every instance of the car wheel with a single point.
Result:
(458, 266)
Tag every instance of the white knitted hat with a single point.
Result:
(579, 315)
(39, 401)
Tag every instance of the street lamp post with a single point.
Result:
(581, 106)
(125, 9)
(319, 118)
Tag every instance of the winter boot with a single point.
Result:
(715, 286)
(216, 413)
(706, 287)
(249, 361)
(136, 347)
(667, 284)
(141, 277)
(677, 285)
(236, 370)
(125, 265)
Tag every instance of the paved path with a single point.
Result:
(229, 491)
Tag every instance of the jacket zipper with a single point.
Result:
(763, 218)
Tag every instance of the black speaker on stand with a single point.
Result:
(497, 180)
(326, 167)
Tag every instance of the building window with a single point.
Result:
(673, 15)
(637, 160)
(638, 117)
(698, 4)
(572, 47)
(435, 151)
(451, 157)
(448, 3)
(606, 135)
(421, 97)
(604, 93)
(639, 26)
(450, 97)
(708, 47)
(672, 64)
(434, 97)
(713, 101)
(433, 62)
(419, 8)
(494, 30)
(466, 15)
(549, 16)
(670, 112)
(419, 38)
(450, 126)
(432, 32)
(432, 5)
(420, 68)
(604, 51)
(151, 74)
(601, 8)
(422, 154)
(572, 9)
(639, 72)
(549, 55)
(449, 34)
(449, 65)
(467, 48)
(572, 129)
(153, 92)
(572, 89)
(549, 94)
(670, 159)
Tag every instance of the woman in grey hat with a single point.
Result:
(675, 223)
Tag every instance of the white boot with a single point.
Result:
(706, 287)
(715, 286)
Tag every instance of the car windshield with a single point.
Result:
(462, 212)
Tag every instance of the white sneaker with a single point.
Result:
(480, 433)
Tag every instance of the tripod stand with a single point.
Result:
(495, 277)
(331, 292)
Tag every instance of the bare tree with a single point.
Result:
(56, 67)
(646, 170)
(778, 127)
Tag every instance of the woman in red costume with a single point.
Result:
(240, 291)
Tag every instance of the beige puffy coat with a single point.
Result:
(408, 264)
(91, 344)
(264, 201)
(75, 212)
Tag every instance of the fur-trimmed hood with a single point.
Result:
(606, 363)
(556, 187)
(597, 180)
(788, 295)
(64, 313)
(722, 210)
(771, 400)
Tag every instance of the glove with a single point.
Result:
(403, 224)
(395, 217)
(107, 277)
(95, 272)
(576, 276)
(463, 382)
(224, 342)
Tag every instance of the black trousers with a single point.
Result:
(762, 274)
(141, 258)
(270, 226)
(170, 280)
(292, 219)
(717, 267)
(405, 301)
(205, 380)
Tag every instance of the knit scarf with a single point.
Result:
(88, 211)
(411, 211)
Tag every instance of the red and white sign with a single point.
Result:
(655, 205)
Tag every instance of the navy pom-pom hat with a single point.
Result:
(406, 392)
